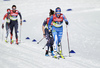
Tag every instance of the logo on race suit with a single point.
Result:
(13, 14)
(53, 30)
(58, 19)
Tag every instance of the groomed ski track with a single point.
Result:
(32, 56)
(84, 35)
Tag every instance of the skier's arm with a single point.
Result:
(4, 18)
(43, 26)
(20, 15)
(65, 19)
(49, 24)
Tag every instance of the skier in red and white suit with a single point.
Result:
(14, 21)
(7, 23)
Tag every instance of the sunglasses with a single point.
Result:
(13, 8)
(58, 12)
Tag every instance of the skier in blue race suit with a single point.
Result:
(57, 27)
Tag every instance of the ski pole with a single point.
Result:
(2, 33)
(44, 46)
(40, 40)
(68, 40)
(20, 33)
(61, 48)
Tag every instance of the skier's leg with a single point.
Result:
(55, 42)
(7, 30)
(11, 30)
(51, 40)
(47, 50)
(16, 28)
(47, 45)
(59, 40)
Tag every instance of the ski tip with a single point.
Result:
(6, 41)
(55, 57)
(63, 57)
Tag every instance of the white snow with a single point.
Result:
(84, 35)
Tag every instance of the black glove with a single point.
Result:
(2, 26)
(20, 22)
(50, 34)
(66, 22)
(44, 35)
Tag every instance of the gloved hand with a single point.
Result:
(44, 35)
(66, 22)
(2, 26)
(20, 22)
(50, 34)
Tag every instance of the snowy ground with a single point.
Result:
(84, 35)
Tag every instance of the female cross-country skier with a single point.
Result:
(14, 22)
(7, 23)
(49, 38)
(57, 28)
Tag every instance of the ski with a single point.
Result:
(55, 57)
(61, 56)
(58, 57)
(6, 41)
(11, 42)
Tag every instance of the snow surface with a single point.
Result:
(84, 35)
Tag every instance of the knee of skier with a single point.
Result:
(52, 41)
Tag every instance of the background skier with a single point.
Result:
(46, 34)
(7, 23)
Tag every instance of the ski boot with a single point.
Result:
(60, 52)
(59, 49)
(52, 54)
(17, 41)
(46, 54)
(55, 56)
(6, 40)
(11, 41)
